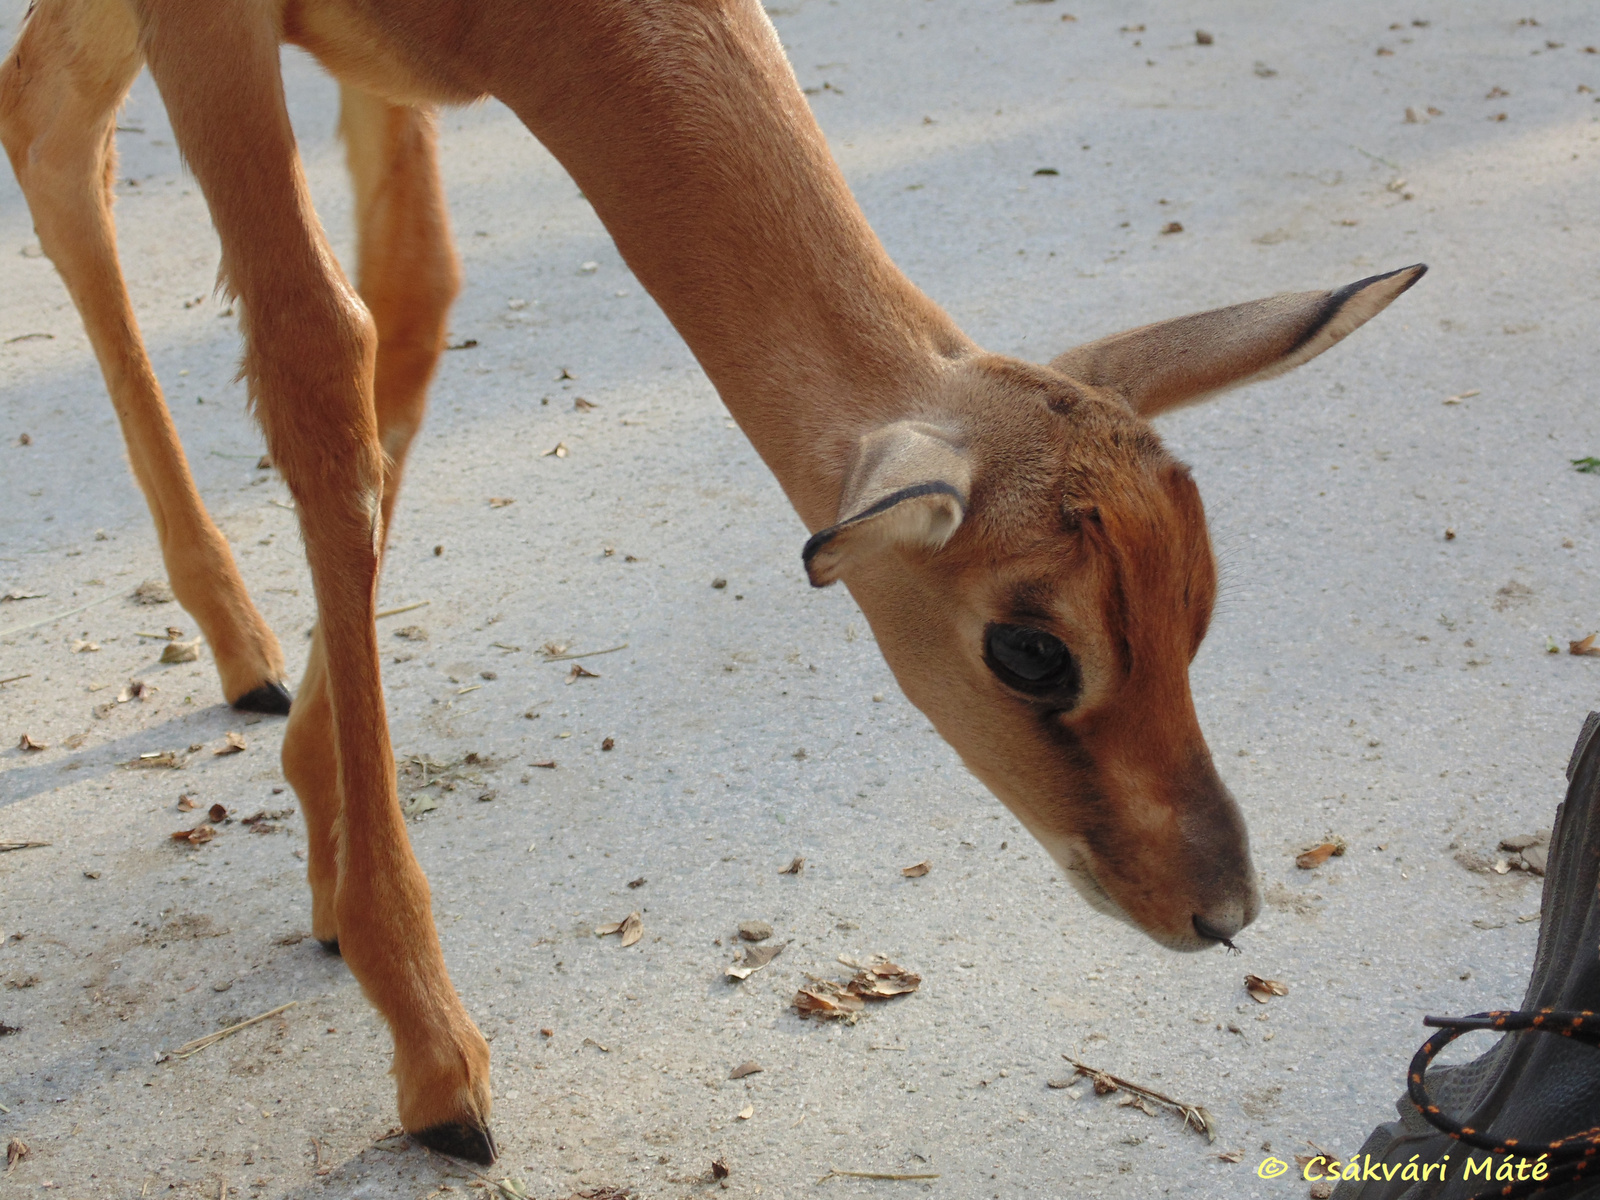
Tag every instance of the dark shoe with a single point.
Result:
(1536, 1088)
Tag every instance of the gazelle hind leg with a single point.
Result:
(59, 92)
(310, 354)
(407, 276)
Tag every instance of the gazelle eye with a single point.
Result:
(1030, 660)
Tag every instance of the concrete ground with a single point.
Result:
(1367, 675)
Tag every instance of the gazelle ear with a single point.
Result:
(907, 487)
(1177, 362)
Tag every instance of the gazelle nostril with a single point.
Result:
(1216, 932)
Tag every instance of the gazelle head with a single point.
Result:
(1037, 572)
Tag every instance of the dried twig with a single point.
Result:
(1194, 1115)
(404, 608)
(189, 1049)
(71, 612)
(14, 678)
(835, 1173)
(4, 846)
(586, 654)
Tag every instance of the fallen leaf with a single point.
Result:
(217, 814)
(27, 743)
(198, 836)
(16, 1151)
(755, 957)
(134, 689)
(1262, 989)
(582, 405)
(751, 1067)
(84, 646)
(1306, 860)
(755, 931)
(631, 927)
(232, 743)
(74, 740)
(19, 594)
(1586, 466)
(152, 591)
(155, 759)
(1584, 647)
(796, 865)
(181, 652)
(579, 671)
(185, 804)
(412, 633)
(558, 451)
(828, 1001)
(917, 870)
(500, 501)
(548, 764)
(1496, 92)
(881, 979)
(418, 804)
(1172, 227)
(1202, 38)
(637, 883)
(1460, 396)
(719, 1169)
(609, 744)
(1231, 1156)
(748, 1111)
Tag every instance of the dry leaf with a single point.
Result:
(582, 405)
(232, 743)
(1231, 1156)
(1139, 1102)
(631, 927)
(152, 591)
(719, 1169)
(1172, 227)
(19, 594)
(27, 743)
(181, 652)
(155, 759)
(559, 451)
(755, 957)
(16, 1151)
(748, 1111)
(197, 836)
(1262, 989)
(418, 804)
(796, 865)
(74, 740)
(881, 979)
(412, 633)
(217, 814)
(1584, 647)
(548, 764)
(752, 1067)
(84, 646)
(500, 501)
(134, 689)
(828, 1001)
(609, 744)
(917, 870)
(185, 804)
(579, 671)
(1319, 854)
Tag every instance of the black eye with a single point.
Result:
(1030, 660)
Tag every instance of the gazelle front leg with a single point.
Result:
(408, 276)
(59, 92)
(310, 350)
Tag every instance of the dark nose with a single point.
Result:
(1220, 927)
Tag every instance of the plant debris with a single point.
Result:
(880, 979)
(153, 759)
(180, 652)
(501, 501)
(198, 836)
(411, 633)
(579, 671)
(559, 450)
(27, 743)
(755, 931)
(232, 743)
(1315, 856)
(7, 846)
(631, 927)
(1261, 990)
(796, 865)
(152, 591)
(755, 957)
(1194, 1115)
(1584, 647)
(189, 1049)
(917, 870)
(1589, 465)
(16, 1151)
(751, 1067)
(1528, 852)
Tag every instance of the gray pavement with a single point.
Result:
(1364, 677)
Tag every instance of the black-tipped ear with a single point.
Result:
(907, 488)
(1180, 361)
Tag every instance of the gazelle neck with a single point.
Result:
(686, 130)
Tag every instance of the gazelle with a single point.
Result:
(1034, 565)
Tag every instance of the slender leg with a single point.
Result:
(408, 277)
(309, 356)
(59, 92)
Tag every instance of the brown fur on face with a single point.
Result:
(1079, 523)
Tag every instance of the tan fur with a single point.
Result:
(950, 489)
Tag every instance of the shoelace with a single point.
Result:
(1574, 1157)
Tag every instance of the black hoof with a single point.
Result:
(270, 698)
(470, 1142)
(331, 945)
